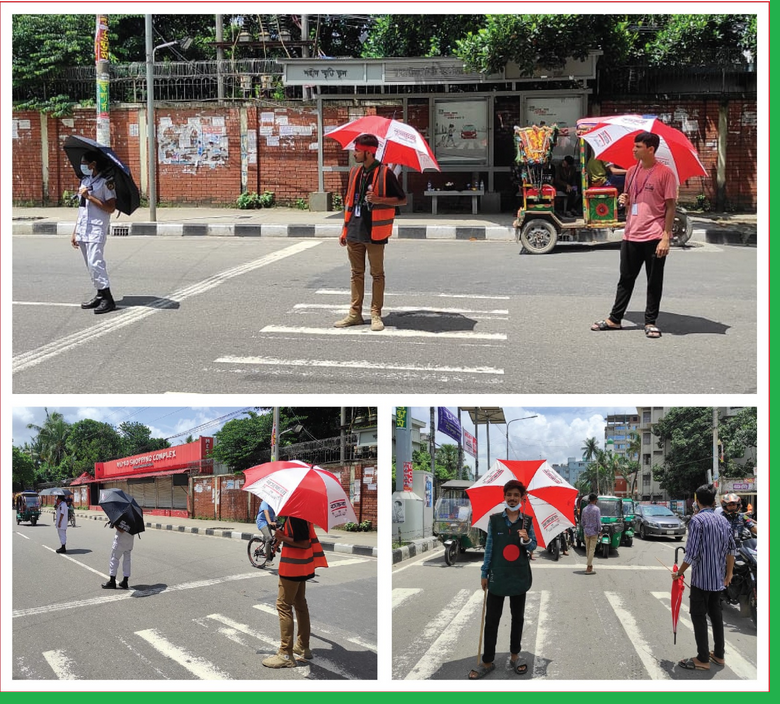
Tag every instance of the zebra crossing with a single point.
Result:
(474, 328)
(445, 647)
(213, 646)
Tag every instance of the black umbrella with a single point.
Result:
(56, 491)
(110, 166)
(122, 510)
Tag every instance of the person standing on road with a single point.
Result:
(121, 549)
(506, 571)
(97, 201)
(301, 555)
(61, 521)
(650, 199)
(266, 519)
(591, 528)
(373, 193)
(709, 552)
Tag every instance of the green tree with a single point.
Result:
(137, 438)
(22, 469)
(631, 461)
(686, 432)
(739, 434)
(418, 35)
(242, 442)
(51, 438)
(589, 449)
(91, 441)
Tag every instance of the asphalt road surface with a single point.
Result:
(196, 610)
(611, 625)
(214, 315)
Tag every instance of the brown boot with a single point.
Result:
(349, 321)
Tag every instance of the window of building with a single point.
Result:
(646, 438)
(646, 459)
(645, 480)
(645, 417)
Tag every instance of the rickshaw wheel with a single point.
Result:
(539, 236)
(33, 521)
(18, 521)
(682, 228)
(451, 552)
(605, 550)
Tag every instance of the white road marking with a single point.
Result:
(741, 667)
(61, 664)
(47, 304)
(25, 360)
(26, 537)
(538, 565)
(160, 674)
(401, 595)
(354, 364)
(387, 332)
(543, 614)
(97, 601)
(202, 669)
(629, 624)
(404, 309)
(417, 294)
(438, 631)
(426, 556)
(76, 562)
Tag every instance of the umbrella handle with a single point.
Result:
(481, 629)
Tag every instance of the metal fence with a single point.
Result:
(324, 451)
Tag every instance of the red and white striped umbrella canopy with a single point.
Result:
(295, 488)
(399, 142)
(612, 139)
(550, 499)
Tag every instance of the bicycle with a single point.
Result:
(71, 517)
(256, 551)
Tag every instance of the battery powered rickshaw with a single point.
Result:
(28, 507)
(452, 520)
(539, 226)
(612, 523)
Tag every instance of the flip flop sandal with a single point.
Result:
(520, 667)
(718, 661)
(482, 670)
(691, 664)
(652, 332)
(602, 325)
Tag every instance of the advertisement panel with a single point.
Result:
(449, 424)
(168, 458)
(408, 476)
(469, 443)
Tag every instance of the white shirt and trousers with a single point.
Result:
(61, 521)
(121, 549)
(92, 229)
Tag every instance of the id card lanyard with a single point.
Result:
(638, 190)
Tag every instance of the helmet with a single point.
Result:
(730, 499)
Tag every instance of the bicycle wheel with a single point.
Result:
(255, 549)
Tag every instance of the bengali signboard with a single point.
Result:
(449, 424)
(469, 443)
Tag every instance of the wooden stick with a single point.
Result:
(481, 630)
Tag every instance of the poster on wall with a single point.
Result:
(460, 132)
(564, 112)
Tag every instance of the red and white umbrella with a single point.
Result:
(550, 500)
(399, 143)
(295, 488)
(612, 139)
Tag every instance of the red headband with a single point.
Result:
(365, 148)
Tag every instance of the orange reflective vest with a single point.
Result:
(382, 216)
(301, 562)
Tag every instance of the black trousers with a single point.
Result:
(703, 604)
(633, 255)
(495, 606)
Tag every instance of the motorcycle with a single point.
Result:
(742, 589)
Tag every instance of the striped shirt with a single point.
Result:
(531, 546)
(591, 520)
(710, 540)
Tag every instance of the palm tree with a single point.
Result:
(632, 458)
(589, 449)
(51, 438)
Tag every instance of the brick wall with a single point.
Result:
(699, 119)
(200, 149)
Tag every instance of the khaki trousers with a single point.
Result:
(357, 252)
(591, 541)
(292, 595)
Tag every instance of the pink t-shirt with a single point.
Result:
(648, 190)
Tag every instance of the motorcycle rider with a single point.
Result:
(730, 505)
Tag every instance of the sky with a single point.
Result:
(163, 421)
(554, 435)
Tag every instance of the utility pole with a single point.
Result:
(275, 435)
(460, 447)
(713, 474)
(220, 58)
(432, 444)
(343, 436)
(403, 444)
(305, 48)
(150, 123)
(103, 129)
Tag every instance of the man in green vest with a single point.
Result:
(506, 571)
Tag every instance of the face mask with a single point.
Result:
(86, 170)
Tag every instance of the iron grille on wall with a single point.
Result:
(323, 451)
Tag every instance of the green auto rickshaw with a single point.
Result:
(28, 507)
(612, 524)
(629, 513)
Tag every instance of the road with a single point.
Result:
(612, 625)
(196, 610)
(232, 315)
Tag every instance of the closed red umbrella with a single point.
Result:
(678, 587)
(295, 488)
(550, 501)
(399, 142)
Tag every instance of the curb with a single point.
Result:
(416, 547)
(330, 546)
(731, 237)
